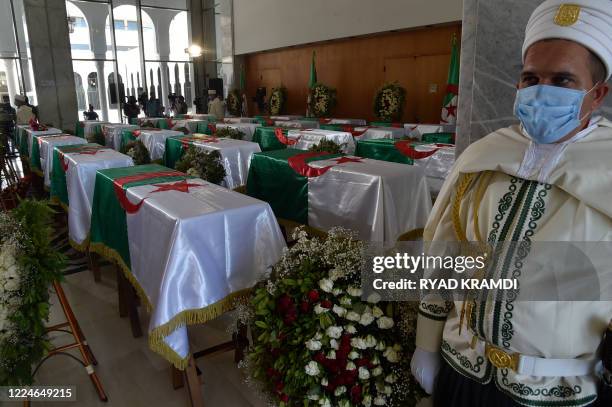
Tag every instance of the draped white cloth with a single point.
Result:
(437, 166)
(112, 133)
(155, 141)
(236, 155)
(352, 122)
(297, 124)
(47, 144)
(234, 120)
(380, 132)
(309, 138)
(189, 124)
(247, 128)
(201, 116)
(379, 200)
(152, 120)
(31, 133)
(416, 130)
(89, 127)
(286, 117)
(191, 250)
(80, 182)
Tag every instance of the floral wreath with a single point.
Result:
(317, 342)
(389, 102)
(28, 266)
(200, 163)
(234, 103)
(278, 99)
(322, 100)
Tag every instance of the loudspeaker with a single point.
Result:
(217, 85)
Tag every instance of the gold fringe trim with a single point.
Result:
(112, 255)
(80, 247)
(190, 317)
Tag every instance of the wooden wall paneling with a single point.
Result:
(357, 67)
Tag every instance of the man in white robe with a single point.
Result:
(549, 179)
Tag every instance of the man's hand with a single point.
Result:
(425, 367)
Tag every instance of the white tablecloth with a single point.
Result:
(378, 199)
(89, 127)
(297, 124)
(190, 250)
(437, 166)
(47, 144)
(190, 124)
(309, 138)
(234, 120)
(416, 131)
(112, 133)
(236, 156)
(247, 128)
(31, 133)
(286, 117)
(200, 116)
(80, 181)
(379, 132)
(352, 122)
(155, 141)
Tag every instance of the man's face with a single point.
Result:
(566, 64)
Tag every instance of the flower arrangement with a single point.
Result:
(234, 103)
(278, 99)
(327, 146)
(139, 153)
(229, 132)
(28, 266)
(389, 102)
(199, 163)
(322, 100)
(317, 342)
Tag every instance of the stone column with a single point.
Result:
(51, 62)
(492, 38)
(164, 81)
(11, 78)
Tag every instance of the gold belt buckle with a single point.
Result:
(502, 359)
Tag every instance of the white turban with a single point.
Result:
(587, 22)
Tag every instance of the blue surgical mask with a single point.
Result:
(549, 113)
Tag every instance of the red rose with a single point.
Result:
(362, 362)
(284, 302)
(284, 398)
(326, 304)
(304, 307)
(356, 394)
(275, 352)
(289, 319)
(319, 357)
(313, 295)
(279, 386)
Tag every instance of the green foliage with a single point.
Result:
(234, 103)
(229, 132)
(327, 146)
(389, 102)
(200, 163)
(322, 100)
(137, 150)
(278, 100)
(39, 266)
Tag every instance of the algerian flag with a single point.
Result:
(449, 107)
(377, 199)
(313, 73)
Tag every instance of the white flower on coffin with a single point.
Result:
(392, 378)
(338, 310)
(325, 402)
(344, 403)
(388, 390)
(364, 373)
(377, 371)
(353, 316)
(350, 329)
(353, 355)
(312, 344)
(324, 381)
(375, 360)
(331, 355)
(334, 344)
(381, 346)
(318, 309)
(339, 391)
(370, 341)
(377, 312)
(385, 323)
(366, 319)
(345, 301)
(334, 332)
(380, 401)
(354, 291)
(337, 291)
(391, 355)
(326, 285)
(359, 343)
(351, 366)
(367, 400)
(374, 298)
(312, 368)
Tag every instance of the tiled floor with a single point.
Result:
(132, 375)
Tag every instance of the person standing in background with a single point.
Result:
(131, 109)
(25, 111)
(217, 106)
